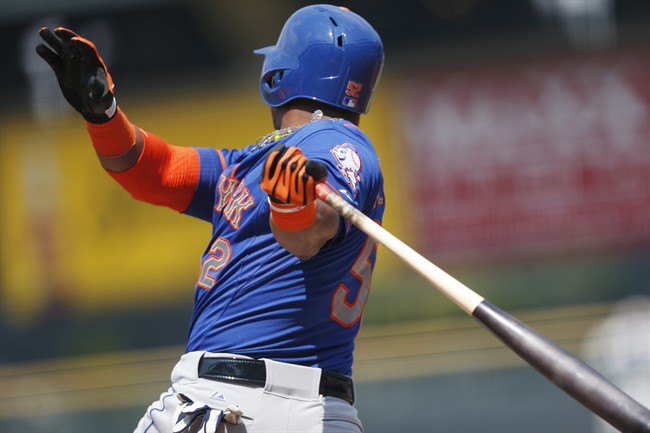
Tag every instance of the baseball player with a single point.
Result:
(284, 279)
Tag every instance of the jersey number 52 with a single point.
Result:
(343, 312)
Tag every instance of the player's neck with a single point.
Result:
(295, 117)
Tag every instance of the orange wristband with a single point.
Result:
(290, 218)
(113, 138)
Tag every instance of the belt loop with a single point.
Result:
(291, 380)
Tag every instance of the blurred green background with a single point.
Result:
(514, 143)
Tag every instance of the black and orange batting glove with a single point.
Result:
(290, 179)
(81, 73)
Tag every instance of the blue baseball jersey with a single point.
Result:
(252, 296)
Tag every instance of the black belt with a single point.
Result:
(253, 371)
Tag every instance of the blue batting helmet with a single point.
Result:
(324, 53)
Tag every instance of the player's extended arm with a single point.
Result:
(150, 169)
(300, 223)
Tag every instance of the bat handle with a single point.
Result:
(322, 191)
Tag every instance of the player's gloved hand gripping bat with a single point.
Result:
(290, 178)
(566, 371)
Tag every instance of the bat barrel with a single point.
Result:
(577, 379)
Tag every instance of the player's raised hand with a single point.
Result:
(81, 73)
(289, 177)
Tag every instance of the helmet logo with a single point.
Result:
(352, 91)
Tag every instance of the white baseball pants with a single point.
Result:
(289, 402)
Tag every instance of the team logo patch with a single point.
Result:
(349, 164)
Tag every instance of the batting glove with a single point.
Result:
(81, 73)
(290, 179)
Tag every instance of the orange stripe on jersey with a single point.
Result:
(234, 170)
(165, 175)
(222, 159)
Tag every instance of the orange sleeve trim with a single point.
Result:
(352, 125)
(222, 159)
(113, 138)
(292, 219)
(165, 175)
(234, 169)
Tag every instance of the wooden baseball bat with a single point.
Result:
(570, 374)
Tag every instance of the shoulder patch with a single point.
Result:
(349, 164)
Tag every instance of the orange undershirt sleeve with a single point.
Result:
(113, 138)
(164, 175)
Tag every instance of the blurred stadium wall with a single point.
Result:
(514, 142)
